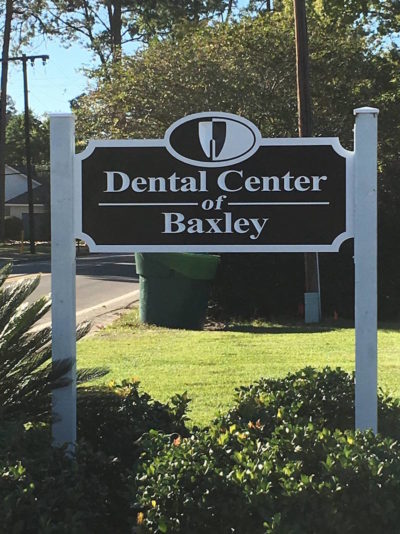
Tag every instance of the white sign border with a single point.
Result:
(138, 143)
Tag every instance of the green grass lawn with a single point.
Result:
(211, 363)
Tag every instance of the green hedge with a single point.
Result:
(301, 480)
(282, 460)
(322, 397)
(112, 419)
(43, 491)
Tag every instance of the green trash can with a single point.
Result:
(174, 288)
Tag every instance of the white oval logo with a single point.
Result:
(212, 139)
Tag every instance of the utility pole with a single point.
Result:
(9, 12)
(312, 297)
(24, 58)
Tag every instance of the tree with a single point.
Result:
(210, 68)
(381, 18)
(105, 26)
(248, 67)
(21, 18)
(40, 142)
(8, 15)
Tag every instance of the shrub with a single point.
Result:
(282, 460)
(43, 490)
(322, 397)
(113, 418)
(27, 375)
(301, 480)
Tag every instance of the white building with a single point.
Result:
(17, 194)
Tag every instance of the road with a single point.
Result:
(104, 284)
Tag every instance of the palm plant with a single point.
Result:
(27, 374)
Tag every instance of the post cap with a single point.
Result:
(366, 109)
(62, 115)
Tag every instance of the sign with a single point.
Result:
(213, 184)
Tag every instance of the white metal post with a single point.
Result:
(365, 258)
(63, 271)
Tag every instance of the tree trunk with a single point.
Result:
(3, 110)
(115, 16)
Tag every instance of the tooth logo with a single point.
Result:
(212, 135)
(212, 139)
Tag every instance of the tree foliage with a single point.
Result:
(224, 67)
(105, 26)
(245, 67)
(21, 21)
(248, 67)
(26, 21)
(40, 141)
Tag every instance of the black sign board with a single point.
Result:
(213, 184)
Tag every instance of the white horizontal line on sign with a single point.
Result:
(148, 203)
(278, 203)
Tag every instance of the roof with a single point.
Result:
(11, 171)
(17, 188)
(40, 196)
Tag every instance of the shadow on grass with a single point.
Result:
(286, 328)
(300, 328)
(390, 326)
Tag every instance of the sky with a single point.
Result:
(53, 85)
